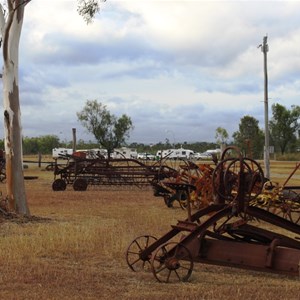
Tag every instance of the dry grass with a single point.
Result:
(76, 250)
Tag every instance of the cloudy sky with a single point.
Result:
(179, 69)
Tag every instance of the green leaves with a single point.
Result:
(88, 9)
(110, 131)
(284, 125)
(250, 137)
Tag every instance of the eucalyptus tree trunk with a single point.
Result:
(11, 26)
(11, 22)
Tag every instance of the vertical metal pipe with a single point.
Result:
(74, 139)
(265, 49)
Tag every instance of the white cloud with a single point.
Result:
(183, 66)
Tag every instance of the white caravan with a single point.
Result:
(214, 151)
(175, 154)
(125, 153)
(61, 152)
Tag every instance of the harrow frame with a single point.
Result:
(81, 172)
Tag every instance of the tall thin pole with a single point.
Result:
(265, 49)
(74, 139)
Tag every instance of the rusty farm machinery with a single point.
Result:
(231, 230)
(190, 173)
(282, 200)
(81, 171)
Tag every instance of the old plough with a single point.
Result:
(81, 172)
(282, 200)
(228, 232)
(200, 176)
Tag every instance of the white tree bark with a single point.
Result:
(10, 28)
(11, 32)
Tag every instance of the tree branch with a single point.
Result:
(88, 9)
(22, 3)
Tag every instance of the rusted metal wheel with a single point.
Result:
(227, 191)
(59, 185)
(232, 152)
(50, 167)
(167, 199)
(172, 262)
(180, 196)
(136, 247)
(183, 198)
(289, 206)
(227, 178)
(253, 177)
(80, 184)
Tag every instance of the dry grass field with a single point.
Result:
(75, 248)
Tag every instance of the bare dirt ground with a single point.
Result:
(74, 248)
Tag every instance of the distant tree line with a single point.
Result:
(284, 131)
(44, 145)
(284, 136)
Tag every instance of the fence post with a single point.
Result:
(40, 159)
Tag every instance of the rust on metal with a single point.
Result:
(82, 172)
(227, 232)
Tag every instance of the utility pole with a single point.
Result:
(265, 49)
(74, 139)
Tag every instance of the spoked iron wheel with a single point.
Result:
(180, 197)
(80, 184)
(226, 178)
(183, 200)
(172, 262)
(290, 206)
(228, 190)
(134, 250)
(59, 185)
(253, 177)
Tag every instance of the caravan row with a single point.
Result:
(125, 152)
(94, 153)
(186, 154)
